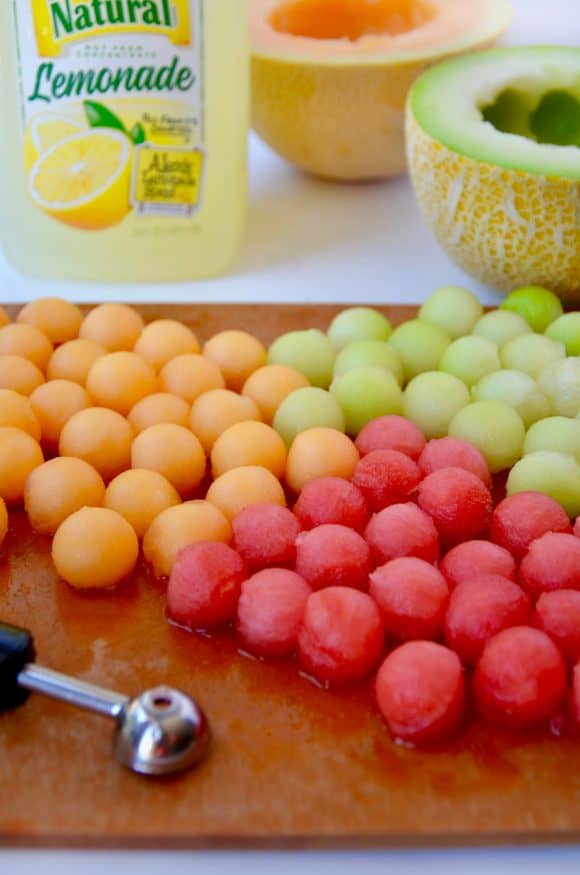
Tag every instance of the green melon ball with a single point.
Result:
(537, 305)
(365, 394)
(556, 433)
(518, 390)
(420, 346)
(530, 353)
(432, 399)
(554, 474)
(566, 330)
(501, 326)
(358, 323)
(309, 352)
(453, 309)
(494, 428)
(369, 354)
(307, 408)
(560, 380)
(470, 358)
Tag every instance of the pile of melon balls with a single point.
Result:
(398, 502)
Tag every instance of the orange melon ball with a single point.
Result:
(157, 409)
(58, 319)
(20, 454)
(237, 354)
(140, 496)
(173, 451)
(189, 376)
(121, 379)
(26, 341)
(73, 360)
(101, 437)
(4, 318)
(162, 340)
(95, 548)
(320, 452)
(214, 412)
(3, 520)
(17, 411)
(270, 385)
(178, 527)
(241, 487)
(19, 374)
(54, 403)
(249, 443)
(58, 489)
(116, 326)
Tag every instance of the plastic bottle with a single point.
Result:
(124, 137)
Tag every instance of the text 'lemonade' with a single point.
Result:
(131, 119)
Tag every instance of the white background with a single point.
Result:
(315, 241)
(311, 241)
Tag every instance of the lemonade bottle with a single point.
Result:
(124, 132)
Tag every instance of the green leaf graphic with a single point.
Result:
(100, 117)
(137, 134)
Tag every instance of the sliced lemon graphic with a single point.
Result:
(44, 131)
(84, 181)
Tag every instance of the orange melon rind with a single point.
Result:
(335, 106)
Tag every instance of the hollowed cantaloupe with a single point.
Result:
(494, 152)
(330, 77)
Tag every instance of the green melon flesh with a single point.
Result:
(516, 108)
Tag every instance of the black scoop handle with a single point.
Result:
(16, 651)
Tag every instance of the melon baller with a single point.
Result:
(161, 732)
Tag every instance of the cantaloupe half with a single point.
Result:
(330, 77)
(494, 152)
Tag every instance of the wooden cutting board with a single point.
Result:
(291, 764)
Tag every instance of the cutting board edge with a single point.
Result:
(291, 843)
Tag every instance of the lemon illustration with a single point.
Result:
(44, 131)
(84, 180)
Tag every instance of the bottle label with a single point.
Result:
(112, 107)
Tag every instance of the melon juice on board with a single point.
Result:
(124, 137)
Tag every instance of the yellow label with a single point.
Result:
(113, 109)
(167, 177)
(61, 22)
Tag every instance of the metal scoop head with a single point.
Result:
(161, 732)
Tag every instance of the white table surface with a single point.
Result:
(313, 241)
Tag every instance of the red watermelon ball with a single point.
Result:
(386, 477)
(332, 500)
(402, 530)
(480, 608)
(522, 518)
(577, 527)
(575, 695)
(270, 611)
(520, 678)
(265, 536)
(458, 503)
(420, 692)
(552, 562)
(558, 615)
(333, 556)
(412, 596)
(450, 452)
(391, 433)
(474, 558)
(341, 638)
(205, 585)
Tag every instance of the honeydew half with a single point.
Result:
(494, 152)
